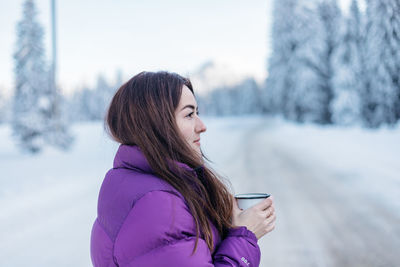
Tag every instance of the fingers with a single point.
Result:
(269, 211)
(266, 203)
(270, 223)
(271, 219)
(269, 228)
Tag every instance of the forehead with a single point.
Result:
(187, 97)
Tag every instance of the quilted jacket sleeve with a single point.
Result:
(160, 231)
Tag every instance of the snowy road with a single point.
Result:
(337, 193)
(324, 218)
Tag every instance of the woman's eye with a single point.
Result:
(190, 114)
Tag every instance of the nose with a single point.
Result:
(200, 126)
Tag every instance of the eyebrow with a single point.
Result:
(189, 106)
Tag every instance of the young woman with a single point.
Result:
(160, 205)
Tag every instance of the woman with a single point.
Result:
(160, 205)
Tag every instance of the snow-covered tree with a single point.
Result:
(219, 102)
(304, 36)
(246, 98)
(104, 93)
(283, 63)
(31, 102)
(349, 71)
(79, 105)
(90, 104)
(34, 122)
(85, 106)
(380, 99)
(218, 87)
(242, 98)
(317, 55)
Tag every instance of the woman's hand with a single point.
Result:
(260, 218)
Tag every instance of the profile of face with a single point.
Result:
(187, 118)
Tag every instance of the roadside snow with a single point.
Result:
(48, 201)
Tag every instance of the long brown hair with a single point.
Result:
(142, 113)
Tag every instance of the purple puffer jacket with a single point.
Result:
(143, 221)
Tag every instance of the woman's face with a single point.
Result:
(188, 121)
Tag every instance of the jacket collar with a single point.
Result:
(131, 157)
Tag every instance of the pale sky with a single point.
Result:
(101, 36)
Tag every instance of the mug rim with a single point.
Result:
(252, 195)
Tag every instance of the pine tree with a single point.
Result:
(283, 63)
(33, 122)
(30, 105)
(221, 101)
(299, 83)
(380, 98)
(90, 104)
(80, 105)
(324, 22)
(349, 62)
(247, 97)
(104, 93)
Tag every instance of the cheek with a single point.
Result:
(187, 132)
(186, 129)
